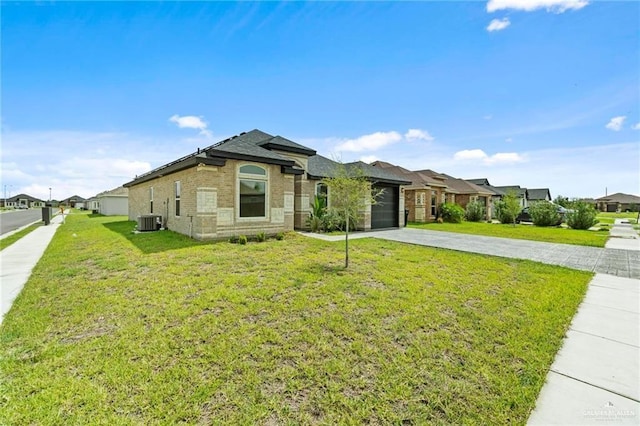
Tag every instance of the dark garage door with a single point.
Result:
(384, 214)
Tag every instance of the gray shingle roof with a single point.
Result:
(417, 179)
(284, 144)
(538, 194)
(621, 198)
(522, 192)
(321, 167)
(255, 145)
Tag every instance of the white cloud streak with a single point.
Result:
(498, 24)
(418, 135)
(191, 122)
(371, 142)
(636, 126)
(555, 6)
(616, 123)
(378, 140)
(479, 155)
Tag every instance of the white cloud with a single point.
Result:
(508, 140)
(636, 126)
(616, 123)
(370, 142)
(488, 117)
(498, 24)
(417, 135)
(555, 6)
(480, 155)
(79, 163)
(191, 122)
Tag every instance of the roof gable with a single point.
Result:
(538, 194)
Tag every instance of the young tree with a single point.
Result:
(349, 192)
(508, 208)
(561, 201)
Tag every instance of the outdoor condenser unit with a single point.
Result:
(149, 222)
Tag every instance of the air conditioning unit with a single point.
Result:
(151, 222)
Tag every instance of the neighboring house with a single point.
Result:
(422, 196)
(496, 196)
(93, 204)
(520, 192)
(467, 192)
(112, 203)
(538, 194)
(250, 183)
(618, 202)
(76, 202)
(23, 201)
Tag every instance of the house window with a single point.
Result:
(177, 194)
(322, 191)
(252, 191)
(434, 203)
(151, 200)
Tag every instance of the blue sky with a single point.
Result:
(537, 93)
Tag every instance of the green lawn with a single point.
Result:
(522, 232)
(122, 328)
(7, 241)
(608, 218)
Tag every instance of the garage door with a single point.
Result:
(384, 214)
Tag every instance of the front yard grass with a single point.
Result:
(521, 232)
(154, 328)
(609, 218)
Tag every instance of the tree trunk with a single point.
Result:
(346, 244)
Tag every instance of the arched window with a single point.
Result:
(252, 183)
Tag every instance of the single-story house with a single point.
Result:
(22, 201)
(76, 202)
(113, 203)
(250, 183)
(618, 202)
(466, 192)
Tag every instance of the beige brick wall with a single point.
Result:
(208, 202)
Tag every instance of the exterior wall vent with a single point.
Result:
(151, 222)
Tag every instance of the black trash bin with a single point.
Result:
(406, 216)
(46, 215)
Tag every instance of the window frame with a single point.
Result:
(177, 192)
(252, 177)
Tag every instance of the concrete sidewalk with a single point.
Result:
(18, 260)
(594, 377)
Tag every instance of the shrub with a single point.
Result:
(315, 223)
(334, 221)
(475, 211)
(544, 213)
(280, 236)
(233, 239)
(242, 239)
(452, 213)
(508, 207)
(261, 237)
(583, 216)
(318, 210)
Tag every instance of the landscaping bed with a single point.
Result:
(155, 328)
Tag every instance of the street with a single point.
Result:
(13, 220)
